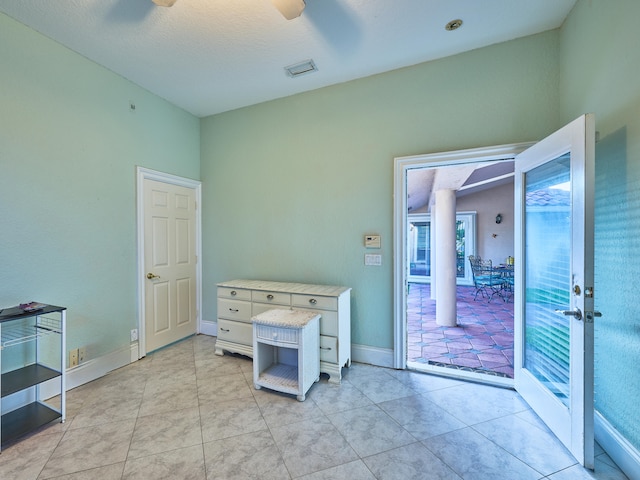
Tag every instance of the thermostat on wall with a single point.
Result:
(372, 241)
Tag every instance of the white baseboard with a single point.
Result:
(209, 327)
(617, 447)
(98, 367)
(382, 357)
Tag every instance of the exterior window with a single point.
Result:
(419, 247)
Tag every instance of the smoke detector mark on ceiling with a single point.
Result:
(301, 68)
(453, 25)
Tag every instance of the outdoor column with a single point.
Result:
(445, 246)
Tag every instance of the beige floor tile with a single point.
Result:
(183, 464)
(253, 456)
(228, 419)
(166, 431)
(108, 472)
(24, 459)
(91, 447)
(185, 413)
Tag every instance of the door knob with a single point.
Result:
(151, 276)
(576, 313)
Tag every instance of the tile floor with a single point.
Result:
(482, 341)
(185, 413)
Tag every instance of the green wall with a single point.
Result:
(600, 67)
(292, 186)
(69, 145)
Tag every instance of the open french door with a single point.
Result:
(554, 313)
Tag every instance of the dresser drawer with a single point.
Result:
(275, 298)
(277, 334)
(328, 321)
(234, 310)
(235, 332)
(328, 349)
(314, 301)
(234, 293)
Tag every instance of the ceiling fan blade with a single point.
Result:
(290, 9)
(164, 3)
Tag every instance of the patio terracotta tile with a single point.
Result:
(483, 338)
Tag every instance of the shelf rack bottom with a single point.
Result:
(26, 419)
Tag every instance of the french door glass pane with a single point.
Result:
(547, 274)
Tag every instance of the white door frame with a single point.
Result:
(401, 166)
(143, 174)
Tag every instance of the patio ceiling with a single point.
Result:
(422, 183)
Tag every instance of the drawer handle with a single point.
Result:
(325, 348)
(233, 293)
(269, 297)
(234, 310)
(225, 329)
(313, 301)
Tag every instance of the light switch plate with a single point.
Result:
(374, 259)
(372, 241)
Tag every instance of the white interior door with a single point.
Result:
(554, 283)
(170, 263)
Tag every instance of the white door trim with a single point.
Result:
(148, 174)
(401, 166)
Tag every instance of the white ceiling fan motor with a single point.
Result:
(290, 9)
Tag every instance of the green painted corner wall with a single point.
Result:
(69, 145)
(600, 67)
(292, 186)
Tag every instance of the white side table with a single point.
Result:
(286, 351)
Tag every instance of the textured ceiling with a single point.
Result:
(210, 56)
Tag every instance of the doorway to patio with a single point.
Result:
(479, 343)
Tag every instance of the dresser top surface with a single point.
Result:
(301, 288)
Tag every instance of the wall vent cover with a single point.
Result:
(301, 68)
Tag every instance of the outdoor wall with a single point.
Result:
(69, 145)
(488, 204)
(600, 67)
(292, 186)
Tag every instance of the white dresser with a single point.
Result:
(239, 300)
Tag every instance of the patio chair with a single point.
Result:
(487, 281)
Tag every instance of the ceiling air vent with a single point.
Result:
(301, 68)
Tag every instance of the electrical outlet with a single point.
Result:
(134, 334)
(73, 358)
(82, 354)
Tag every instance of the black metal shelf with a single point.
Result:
(26, 377)
(18, 328)
(26, 419)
